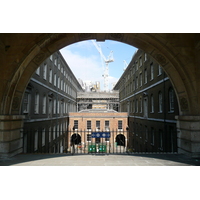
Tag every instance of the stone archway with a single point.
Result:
(76, 139)
(179, 54)
(121, 140)
(153, 44)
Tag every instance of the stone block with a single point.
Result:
(6, 136)
(16, 144)
(184, 144)
(10, 154)
(195, 147)
(188, 146)
(10, 125)
(193, 136)
(188, 125)
(4, 147)
(182, 151)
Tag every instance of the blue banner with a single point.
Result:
(100, 134)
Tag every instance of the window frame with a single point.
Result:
(152, 103)
(151, 71)
(89, 125)
(55, 79)
(43, 137)
(50, 75)
(45, 71)
(26, 103)
(145, 76)
(98, 124)
(160, 135)
(141, 79)
(120, 125)
(36, 140)
(159, 70)
(75, 124)
(171, 100)
(107, 125)
(44, 104)
(38, 71)
(152, 136)
(160, 102)
(37, 100)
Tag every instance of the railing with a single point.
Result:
(97, 142)
(75, 141)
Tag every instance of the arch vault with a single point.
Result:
(21, 54)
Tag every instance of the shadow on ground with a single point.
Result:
(177, 159)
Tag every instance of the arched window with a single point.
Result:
(120, 140)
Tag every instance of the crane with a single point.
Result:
(107, 61)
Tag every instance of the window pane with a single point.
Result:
(36, 141)
(45, 71)
(43, 136)
(44, 105)
(160, 102)
(26, 102)
(75, 124)
(89, 138)
(171, 100)
(98, 125)
(50, 75)
(120, 124)
(107, 125)
(89, 125)
(36, 103)
(151, 68)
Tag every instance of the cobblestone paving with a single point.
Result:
(151, 159)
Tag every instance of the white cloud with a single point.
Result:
(85, 67)
(113, 79)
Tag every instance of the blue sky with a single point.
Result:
(85, 61)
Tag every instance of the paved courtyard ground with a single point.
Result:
(140, 159)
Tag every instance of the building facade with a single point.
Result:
(49, 97)
(85, 124)
(146, 93)
(58, 111)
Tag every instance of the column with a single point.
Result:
(188, 135)
(11, 136)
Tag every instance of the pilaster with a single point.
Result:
(11, 136)
(188, 135)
